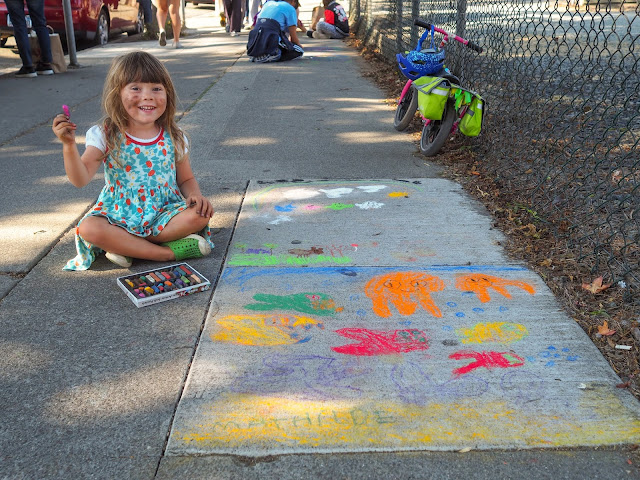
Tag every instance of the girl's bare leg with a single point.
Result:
(181, 225)
(112, 238)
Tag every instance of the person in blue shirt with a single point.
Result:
(274, 37)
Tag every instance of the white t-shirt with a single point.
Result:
(96, 138)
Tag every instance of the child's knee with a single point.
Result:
(90, 229)
(197, 221)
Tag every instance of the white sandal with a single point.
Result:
(119, 260)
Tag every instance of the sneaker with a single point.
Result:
(310, 33)
(44, 69)
(191, 246)
(266, 58)
(25, 72)
(120, 260)
(177, 45)
(233, 34)
(163, 38)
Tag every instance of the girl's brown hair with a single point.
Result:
(144, 68)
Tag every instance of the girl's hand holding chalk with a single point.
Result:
(63, 128)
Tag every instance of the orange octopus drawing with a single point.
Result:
(479, 283)
(405, 290)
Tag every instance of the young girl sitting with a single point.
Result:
(335, 23)
(141, 211)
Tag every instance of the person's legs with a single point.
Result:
(112, 238)
(326, 30)
(39, 23)
(176, 21)
(181, 225)
(15, 9)
(148, 13)
(233, 10)
(161, 15)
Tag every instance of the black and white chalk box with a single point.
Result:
(162, 284)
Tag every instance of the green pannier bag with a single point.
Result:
(433, 93)
(471, 122)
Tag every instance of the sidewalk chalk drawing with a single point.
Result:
(282, 207)
(388, 358)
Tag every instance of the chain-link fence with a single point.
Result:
(561, 81)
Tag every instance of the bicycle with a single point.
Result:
(419, 65)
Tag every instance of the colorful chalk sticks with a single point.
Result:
(160, 284)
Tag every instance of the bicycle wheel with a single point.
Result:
(436, 133)
(406, 109)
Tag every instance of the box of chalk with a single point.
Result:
(162, 284)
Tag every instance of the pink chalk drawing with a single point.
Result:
(487, 360)
(375, 342)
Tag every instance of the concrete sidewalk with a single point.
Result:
(315, 194)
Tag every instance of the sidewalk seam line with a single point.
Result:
(197, 343)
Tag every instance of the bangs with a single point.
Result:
(143, 68)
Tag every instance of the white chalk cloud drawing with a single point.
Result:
(369, 205)
(337, 192)
(280, 219)
(372, 188)
(300, 193)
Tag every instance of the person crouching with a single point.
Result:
(274, 37)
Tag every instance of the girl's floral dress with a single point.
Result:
(140, 194)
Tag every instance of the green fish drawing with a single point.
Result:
(310, 303)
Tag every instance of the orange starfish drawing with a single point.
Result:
(479, 283)
(405, 290)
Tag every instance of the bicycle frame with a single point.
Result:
(434, 133)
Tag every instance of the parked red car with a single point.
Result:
(93, 20)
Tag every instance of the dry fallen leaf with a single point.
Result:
(604, 329)
(596, 286)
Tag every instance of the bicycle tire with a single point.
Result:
(406, 109)
(436, 133)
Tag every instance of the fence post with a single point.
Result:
(415, 13)
(399, 47)
(461, 18)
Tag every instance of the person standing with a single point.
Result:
(233, 10)
(15, 9)
(169, 7)
(148, 15)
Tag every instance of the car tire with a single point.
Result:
(102, 29)
(139, 23)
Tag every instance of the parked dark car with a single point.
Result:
(93, 20)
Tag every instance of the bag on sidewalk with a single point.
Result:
(316, 15)
(433, 93)
(58, 62)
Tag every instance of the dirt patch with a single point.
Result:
(528, 239)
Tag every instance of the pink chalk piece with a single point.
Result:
(65, 109)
